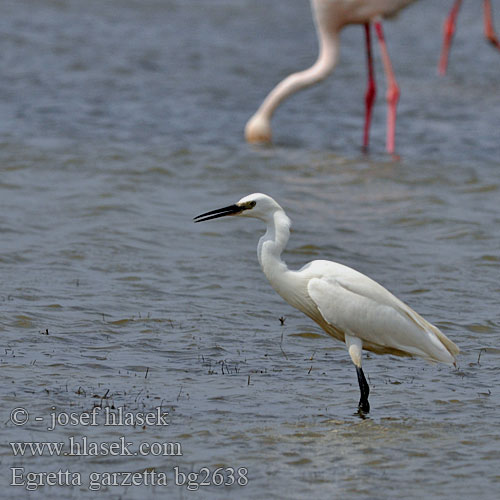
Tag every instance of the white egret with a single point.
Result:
(347, 304)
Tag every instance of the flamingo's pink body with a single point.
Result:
(330, 17)
(449, 30)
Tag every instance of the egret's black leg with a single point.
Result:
(363, 405)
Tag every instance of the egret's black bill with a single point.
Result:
(220, 212)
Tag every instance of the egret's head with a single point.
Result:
(257, 205)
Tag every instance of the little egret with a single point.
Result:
(347, 304)
(330, 17)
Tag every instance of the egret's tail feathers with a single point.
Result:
(448, 350)
(450, 346)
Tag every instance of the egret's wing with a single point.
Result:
(356, 304)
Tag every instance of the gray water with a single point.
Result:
(120, 120)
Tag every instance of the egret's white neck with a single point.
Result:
(272, 244)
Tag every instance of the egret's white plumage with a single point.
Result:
(347, 304)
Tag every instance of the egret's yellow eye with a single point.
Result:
(247, 205)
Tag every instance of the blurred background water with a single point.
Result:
(120, 120)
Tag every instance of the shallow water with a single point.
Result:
(122, 120)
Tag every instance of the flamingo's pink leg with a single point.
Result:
(392, 90)
(449, 30)
(489, 31)
(371, 89)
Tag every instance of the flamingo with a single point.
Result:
(330, 17)
(449, 30)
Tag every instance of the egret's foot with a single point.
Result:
(363, 405)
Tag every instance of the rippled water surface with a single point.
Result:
(121, 120)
